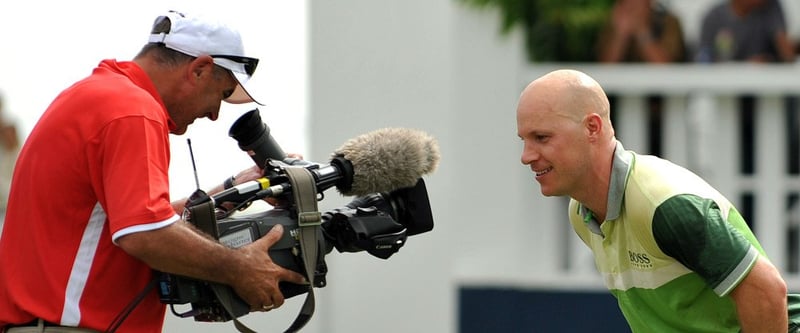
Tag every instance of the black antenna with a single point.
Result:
(194, 167)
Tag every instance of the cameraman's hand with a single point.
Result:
(258, 282)
(255, 172)
(249, 174)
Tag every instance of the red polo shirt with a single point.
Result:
(94, 168)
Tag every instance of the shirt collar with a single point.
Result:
(620, 169)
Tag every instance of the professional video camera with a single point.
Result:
(392, 203)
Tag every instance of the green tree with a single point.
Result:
(555, 30)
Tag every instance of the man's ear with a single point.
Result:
(200, 67)
(594, 125)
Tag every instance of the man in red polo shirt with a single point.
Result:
(78, 255)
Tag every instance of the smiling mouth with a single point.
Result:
(540, 173)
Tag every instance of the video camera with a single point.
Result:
(378, 223)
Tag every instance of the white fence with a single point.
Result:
(704, 130)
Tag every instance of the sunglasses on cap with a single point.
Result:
(250, 64)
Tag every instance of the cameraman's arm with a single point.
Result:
(180, 250)
(246, 175)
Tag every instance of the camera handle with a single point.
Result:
(309, 221)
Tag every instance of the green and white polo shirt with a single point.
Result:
(671, 248)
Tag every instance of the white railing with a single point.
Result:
(702, 131)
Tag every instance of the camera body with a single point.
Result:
(377, 223)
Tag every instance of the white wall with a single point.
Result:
(439, 67)
(377, 64)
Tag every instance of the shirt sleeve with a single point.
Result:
(694, 231)
(133, 183)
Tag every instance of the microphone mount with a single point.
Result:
(276, 183)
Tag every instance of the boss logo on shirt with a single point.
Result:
(639, 260)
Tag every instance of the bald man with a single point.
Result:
(675, 252)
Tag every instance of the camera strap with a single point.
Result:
(225, 298)
(309, 219)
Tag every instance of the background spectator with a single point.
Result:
(745, 30)
(643, 31)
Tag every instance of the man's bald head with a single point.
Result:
(569, 93)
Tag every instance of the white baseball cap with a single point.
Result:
(196, 36)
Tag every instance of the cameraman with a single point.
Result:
(78, 255)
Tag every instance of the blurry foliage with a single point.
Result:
(555, 30)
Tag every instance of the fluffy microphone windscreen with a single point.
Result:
(388, 159)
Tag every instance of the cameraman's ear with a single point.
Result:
(200, 66)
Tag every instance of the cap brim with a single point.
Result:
(240, 94)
